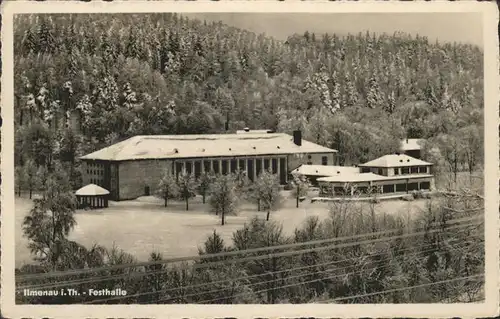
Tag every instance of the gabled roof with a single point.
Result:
(395, 160)
(91, 190)
(192, 146)
(411, 144)
(325, 170)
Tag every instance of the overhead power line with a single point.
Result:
(255, 250)
(351, 297)
(300, 283)
(321, 272)
(408, 288)
(133, 275)
(254, 276)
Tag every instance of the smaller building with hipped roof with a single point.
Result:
(92, 196)
(394, 173)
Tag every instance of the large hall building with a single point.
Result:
(134, 167)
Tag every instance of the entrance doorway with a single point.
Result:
(146, 191)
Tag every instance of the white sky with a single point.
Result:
(445, 27)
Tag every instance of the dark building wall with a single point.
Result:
(283, 170)
(135, 176)
(94, 173)
(296, 160)
(102, 173)
(413, 153)
(313, 179)
(113, 181)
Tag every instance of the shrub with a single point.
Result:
(289, 187)
(418, 194)
(408, 198)
(223, 197)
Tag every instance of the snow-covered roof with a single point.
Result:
(91, 190)
(189, 146)
(352, 178)
(411, 144)
(325, 170)
(395, 160)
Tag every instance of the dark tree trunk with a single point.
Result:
(258, 205)
(72, 166)
(223, 218)
(55, 124)
(49, 163)
(21, 113)
(267, 215)
(204, 196)
(455, 170)
(298, 193)
(187, 202)
(374, 225)
(471, 170)
(53, 254)
(166, 200)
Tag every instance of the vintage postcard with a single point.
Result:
(249, 159)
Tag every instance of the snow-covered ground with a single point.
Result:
(144, 225)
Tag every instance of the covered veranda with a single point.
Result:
(366, 184)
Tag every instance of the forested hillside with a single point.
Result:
(165, 74)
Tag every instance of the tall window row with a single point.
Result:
(95, 173)
(253, 167)
(411, 170)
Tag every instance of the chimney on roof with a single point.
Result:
(297, 138)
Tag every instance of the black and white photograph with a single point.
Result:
(244, 157)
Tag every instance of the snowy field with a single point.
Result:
(144, 225)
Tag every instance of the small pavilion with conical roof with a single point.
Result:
(92, 196)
